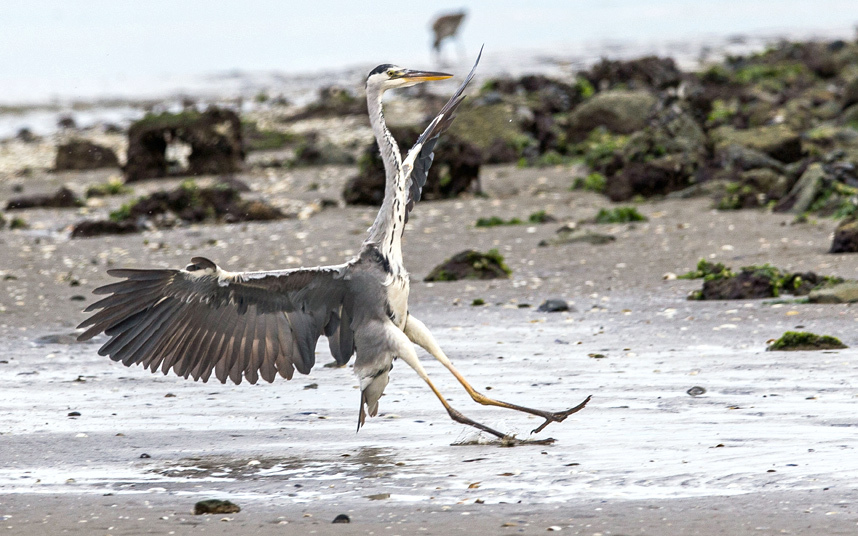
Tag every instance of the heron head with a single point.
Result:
(388, 76)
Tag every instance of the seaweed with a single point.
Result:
(804, 340)
(619, 215)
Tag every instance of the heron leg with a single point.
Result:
(407, 354)
(419, 334)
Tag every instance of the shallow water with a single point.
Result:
(768, 421)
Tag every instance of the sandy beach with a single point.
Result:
(91, 447)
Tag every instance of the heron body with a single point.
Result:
(204, 320)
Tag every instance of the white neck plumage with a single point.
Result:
(386, 231)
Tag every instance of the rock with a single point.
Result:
(745, 159)
(188, 203)
(63, 198)
(766, 181)
(252, 211)
(90, 228)
(743, 286)
(79, 155)
(846, 292)
(314, 152)
(470, 264)
(191, 203)
(802, 341)
(669, 131)
(66, 122)
(483, 126)
(805, 191)
(754, 188)
(649, 72)
(659, 176)
(620, 111)
(572, 236)
(214, 137)
(845, 237)
(696, 391)
(850, 115)
(455, 169)
(553, 306)
(57, 338)
(332, 101)
(850, 93)
(342, 518)
(215, 506)
(230, 181)
(778, 141)
(26, 135)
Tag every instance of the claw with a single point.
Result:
(561, 416)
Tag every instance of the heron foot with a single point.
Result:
(458, 417)
(560, 416)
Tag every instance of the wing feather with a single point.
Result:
(421, 155)
(202, 319)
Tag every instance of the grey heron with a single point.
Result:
(246, 325)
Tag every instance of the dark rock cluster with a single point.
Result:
(77, 155)
(186, 204)
(454, 170)
(62, 198)
(778, 127)
(214, 137)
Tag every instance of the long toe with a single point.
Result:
(561, 415)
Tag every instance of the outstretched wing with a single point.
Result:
(204, 319)
(419, 158)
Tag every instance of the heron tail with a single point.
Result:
(370, 394)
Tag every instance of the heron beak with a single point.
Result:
(423, 76)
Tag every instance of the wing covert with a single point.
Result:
(204, 320)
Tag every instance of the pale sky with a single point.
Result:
(58, 42)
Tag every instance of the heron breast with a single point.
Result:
(397, 300)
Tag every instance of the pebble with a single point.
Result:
(553, 306)
(696, 391)
(342, 518)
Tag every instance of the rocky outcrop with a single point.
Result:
(454, 170)
(845, 237)
(78, 155)
(778, 141)
(62, 198)
(619, 111)
(214, 137)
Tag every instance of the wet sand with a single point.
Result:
(767, 449)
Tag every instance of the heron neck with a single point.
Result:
(386, 231)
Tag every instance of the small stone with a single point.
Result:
(74, 414)
(145, 456)
(696, 391)
(554, 305)
(215, 506)
(342, 518)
